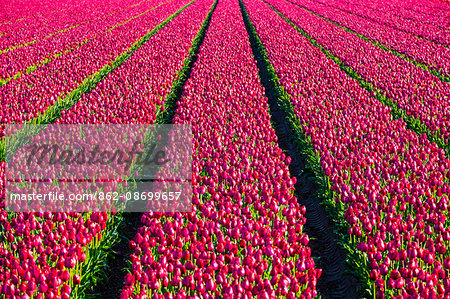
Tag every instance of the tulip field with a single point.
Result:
(315, 125)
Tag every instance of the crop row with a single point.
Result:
(68, 76)
(47, 253)
(50, 275)
(27, 59)
(244, 237)
(135, 92)
(428, 12)
(73, 20)
(38, 27)
(435, 10)
(387, 186)
(432, 55)
(55, 111)
(413, 26)
(419, 94)
(14, 13)
(52, 253)
(11, 14)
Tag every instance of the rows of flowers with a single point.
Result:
(390, 15)
(11, 15)
(70, 15)
(433, 55)
(42, 23)
(125, 97)
(14, 13)
(54, 254)
(43, 252)
(416, 91)
(64, 240)
(31, 94)
(428, 12)
(391, 185)
(434, 11)
(43, 51)
(244, 236)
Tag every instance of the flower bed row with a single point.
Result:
(51, 254)
(31, 94)
(423, 52)
(418, 94)
(390, 15)
(427, 13)
(63, 278)
(32, 55)
(41, 24)
(386, 187)
(40, 109)
(244, 237)
(15, 13)
(135, 91)
(432, 10)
